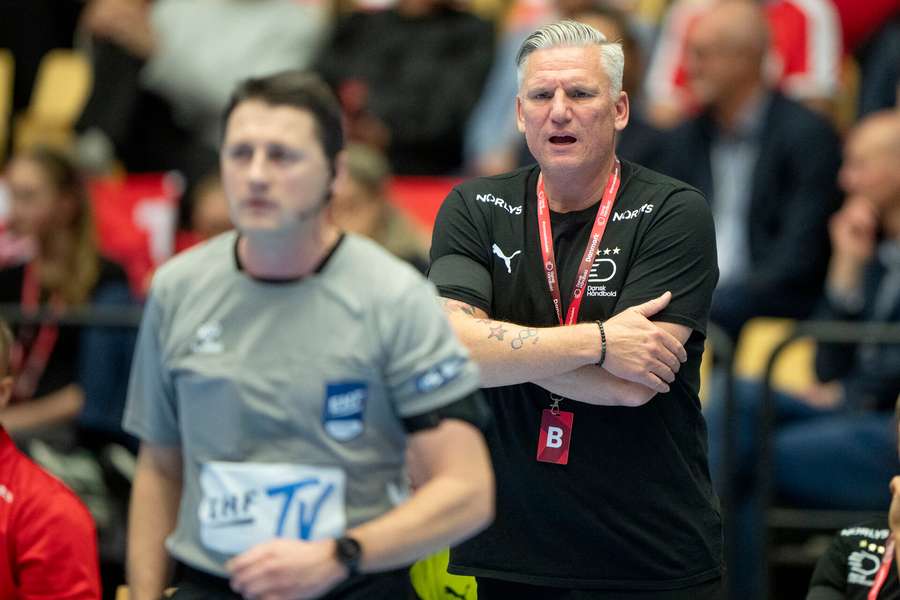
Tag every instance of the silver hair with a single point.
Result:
(573, 33)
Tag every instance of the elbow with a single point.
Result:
(636, 395)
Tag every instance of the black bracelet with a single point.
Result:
(602, 343)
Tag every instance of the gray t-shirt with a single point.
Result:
(287, 398)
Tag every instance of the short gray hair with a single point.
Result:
(573, 33)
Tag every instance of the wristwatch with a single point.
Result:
(349, 553)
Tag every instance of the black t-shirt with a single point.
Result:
(634, 507)
(848, 569)
(62, 367)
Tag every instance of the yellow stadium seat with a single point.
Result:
(794, 372)
(7, 69)
(61, 89)
(706, 370)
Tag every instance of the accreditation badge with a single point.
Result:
(555, 436)
(244, 504)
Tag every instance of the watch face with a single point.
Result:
(348, 551)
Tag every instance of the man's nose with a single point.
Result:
(258, 170)
(559, 107)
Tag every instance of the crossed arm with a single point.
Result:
(642, 357)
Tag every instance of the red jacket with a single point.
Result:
(49, 545)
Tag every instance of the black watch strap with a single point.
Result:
(349, 553)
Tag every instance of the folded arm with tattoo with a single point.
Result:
(642, 357)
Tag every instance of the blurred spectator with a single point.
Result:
(834, 446)
(360, 204)
(767, 165)
(494, 144)
(62, 372)
(164, 70)
(49, 545)
(209, 215)
(408, 78)
(804, 59)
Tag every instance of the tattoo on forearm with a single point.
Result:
(529, 333)
(456, 305)
(495, 329)
(497, 332)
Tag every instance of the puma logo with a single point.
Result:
(506, 259)
(451, 592)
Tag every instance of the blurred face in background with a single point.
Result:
(210, 216)
(37, 208)
(871, 167)
(725, 51)
(357, 205)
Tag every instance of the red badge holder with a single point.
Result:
(555, 435)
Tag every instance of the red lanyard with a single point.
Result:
(30, 365)
(883, 571)
(546, 235)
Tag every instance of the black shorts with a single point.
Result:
(192, 584)
(495, 589)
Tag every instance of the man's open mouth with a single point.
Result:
(562, 139)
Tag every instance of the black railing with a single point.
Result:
(81, 316)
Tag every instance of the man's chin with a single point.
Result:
(256, 228)
(562, 162)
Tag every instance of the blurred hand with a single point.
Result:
(286, 569)
(123, 22)
(639, 351)
(853, 230)
(824, 395)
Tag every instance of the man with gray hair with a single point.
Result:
(598, 443)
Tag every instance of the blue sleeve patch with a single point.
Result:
(440, 374)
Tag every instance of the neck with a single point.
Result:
(728, 110)
(287, 255)
(567, 192)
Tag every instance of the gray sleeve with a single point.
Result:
(426, 366)
(151, 411)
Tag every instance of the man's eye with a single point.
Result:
(281, 155)
(240, 153)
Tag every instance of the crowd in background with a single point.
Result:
(784, 113)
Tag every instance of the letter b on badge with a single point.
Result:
(555, 436)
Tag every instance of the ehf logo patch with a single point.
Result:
(344, 410)
(440, 374)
